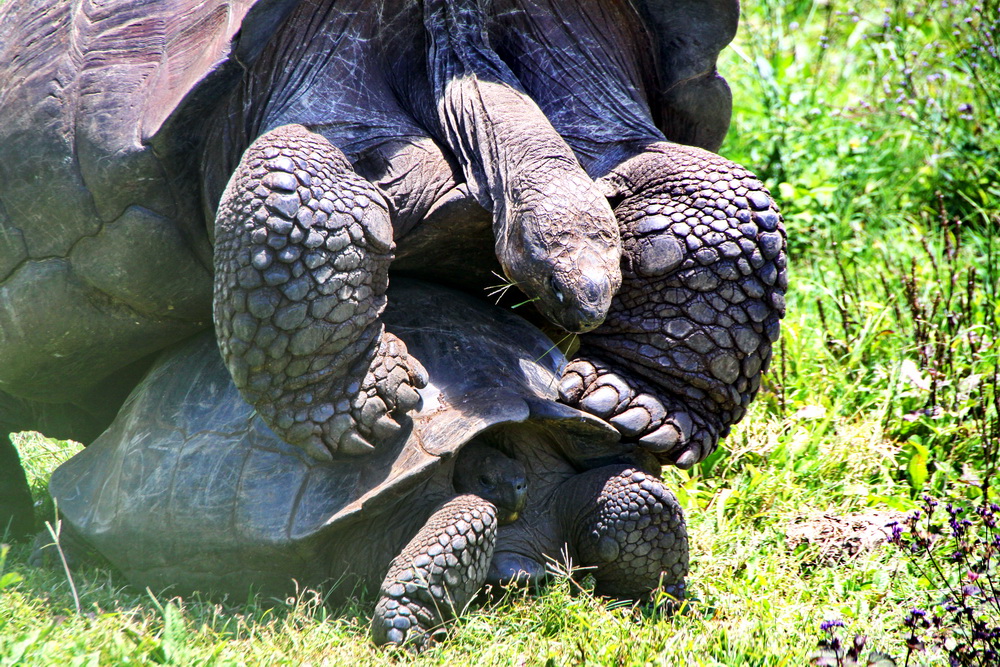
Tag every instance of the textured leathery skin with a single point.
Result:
(680, 356)
(303, 246)
(631, 531)
(680, 353)
(437, 573)
(556, 236)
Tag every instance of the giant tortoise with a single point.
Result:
(286, 151)
(190, 490)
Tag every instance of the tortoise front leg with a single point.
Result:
(302, 253)
(680, 355)
(628, 528)
(438, 572)
(620, 523)
(17, 513)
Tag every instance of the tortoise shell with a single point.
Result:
(188, 487)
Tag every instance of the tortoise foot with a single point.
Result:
(388, 392)
(437, 574)
(703, 283)
(66, 546)
(661, 424)
(368, 414)
(631, 531)
(17, 513)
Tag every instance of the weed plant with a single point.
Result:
(875, 124)
(956, 548)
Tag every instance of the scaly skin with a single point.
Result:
(484, 471)
(679, 358)
(437, 574)
(444, 565)
(631, 531)
(303, 246)
(621, 523)
(302, 347)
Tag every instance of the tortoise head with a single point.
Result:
(488, 473)
(563, 253)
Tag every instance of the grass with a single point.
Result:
(875, 124)
(754, 603)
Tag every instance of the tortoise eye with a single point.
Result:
(484, 480)
(554, 285)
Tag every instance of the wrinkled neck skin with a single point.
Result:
(371, 77)
(360, 555)
(556, 236)
(539, 536)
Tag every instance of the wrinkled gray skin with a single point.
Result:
(189, 490)
(453, 135)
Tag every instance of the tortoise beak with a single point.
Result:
(504, 518)
(513, 498)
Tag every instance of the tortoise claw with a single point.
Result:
(315, 448)
(662, 425)
(437, 574)
(385, 429)
(354, 445)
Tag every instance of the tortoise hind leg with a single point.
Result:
(303, 246)
(438, 572)
(65, 547)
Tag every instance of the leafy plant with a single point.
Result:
(965, 622)
(956, 550)
(832, 653)
(7, 579)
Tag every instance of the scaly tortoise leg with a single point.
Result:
(437, 574)
(17, 512)
(71, 548)
(680, 355)
(302, 253)
(628, 527)
(619, 522)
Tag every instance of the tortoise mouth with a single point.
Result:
(505, 517)
(512, 500)
(578, 300)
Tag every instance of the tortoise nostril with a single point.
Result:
(520, 487)
(594, 287)
(597, 279)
